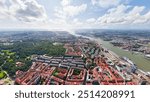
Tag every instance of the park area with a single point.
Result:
(3, 74)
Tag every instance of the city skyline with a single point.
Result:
(74, 14)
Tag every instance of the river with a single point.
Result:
(138, 59)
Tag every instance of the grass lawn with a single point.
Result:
(2, 74)
(55, 74)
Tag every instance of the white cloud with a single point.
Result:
(27, 10)
(4, 13)
(65, 2)
(106, 3)
(136, 10)
(68, 10)
(2, 3)
(76, 22)
(22, 10)
(123, 15)
(65, 15)
(91, 20)
(74, 10)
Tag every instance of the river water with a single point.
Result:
(137, 58)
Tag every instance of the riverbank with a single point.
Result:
(138, 59)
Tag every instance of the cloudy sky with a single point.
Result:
(74, 14)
